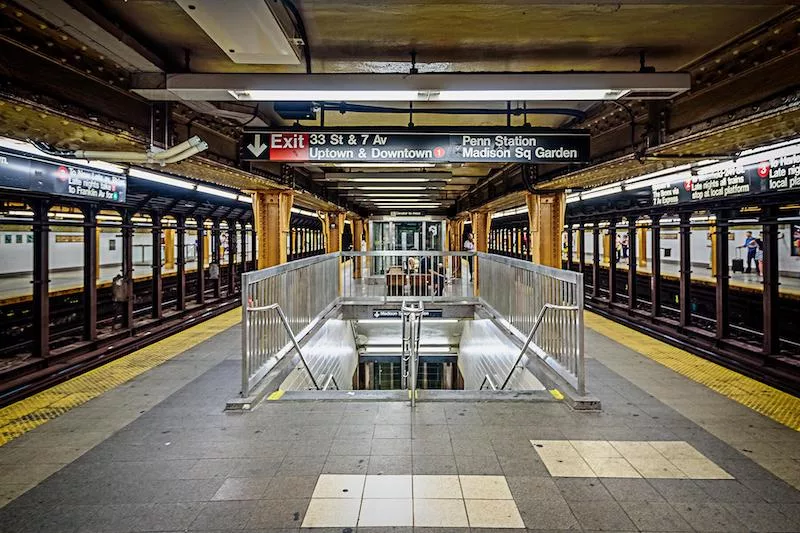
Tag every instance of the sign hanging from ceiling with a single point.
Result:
(772, 174)
(34, 175)
(329, 146)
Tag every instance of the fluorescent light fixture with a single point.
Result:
(435, 349)
(25, 147)
(376, 188)
(67, 216)
(301, 211)
(384, 165)
(510, 212)
(161, 178)
(407, 206)
(601, 191)
(390, 197)
(245, 198)
(430, 95)
(379, 320)
(393, 180)
(111, 218)
(217, 192)
(572, 198)
(18, 213)
(389, 348)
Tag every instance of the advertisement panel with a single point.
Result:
(507, 146)
(27, 174)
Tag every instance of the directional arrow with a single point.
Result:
(257, 148)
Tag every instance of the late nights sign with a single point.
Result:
(415, 147)
(27, 174)
(772, 174)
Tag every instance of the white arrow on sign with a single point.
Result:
(257, 148)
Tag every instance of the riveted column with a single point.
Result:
(231, 257)
(156, 285)
(243, 249)
(686, 270)
(720, 259)
(169, 249)
(582, 248)
(90, 272)
(632, 249)
(200, 297)
(180, 273)
(358, 235)
(771, 283)
(546, 221)
(127, 267)
(570, 245)
(272, 212)
(595, 260)
(612, 260)
(481, 222)
(216, 256)
(333, 232)
(41, 279)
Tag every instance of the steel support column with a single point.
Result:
(90, 272)
(632, 293)
(612, 260)
(180, 275)
(216, 256)
(723, 277)
(243, 249)
(127, 267)
(570, 262)
(582, 248)
(595, 261)
(41, 279)
(272, 213)
(685, 245)
(771, 275)
(200, 297)
(254, 249)
(231, 257)
(655, 270)
(157, 296)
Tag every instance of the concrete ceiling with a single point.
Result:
(378, 36)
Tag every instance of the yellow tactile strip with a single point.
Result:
(769, 401)
(27, 414)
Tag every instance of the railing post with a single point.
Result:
(245, 336)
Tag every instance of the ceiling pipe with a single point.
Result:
(177, 153)
(345, 107)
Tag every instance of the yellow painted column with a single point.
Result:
(481, 222)
(358, 235)
(545, 223)
(641, 240)
(206, 246)
(712, 234)
(607, 247)
(333, 232)
(272, 211)
(169, 249)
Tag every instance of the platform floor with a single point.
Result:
(155, 452)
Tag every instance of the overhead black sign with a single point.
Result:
(26, 174)
(775, 174)
(507, 146)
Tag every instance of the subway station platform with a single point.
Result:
(143, 444)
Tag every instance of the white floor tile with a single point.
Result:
(485, 488)
(386, 512)
(612, 467)
(635, 449)
(440, 513)
(438, 487)
(700, 469)
(595, 448)
(398, 487)
(655, 467)
(332, 512)
(493, 514)
(339, 486)
(677, 450)
(562, 459)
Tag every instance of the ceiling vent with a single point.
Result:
(248, 31)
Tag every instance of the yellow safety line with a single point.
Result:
(769, 401)
(27, 414)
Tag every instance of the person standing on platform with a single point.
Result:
(469, 246)
(751, 245)
(759, 256)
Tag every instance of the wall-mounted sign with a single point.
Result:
(26, 174)
(795, 240)
(507, 146)
(395, 313)
(731, 179)
(69, 238)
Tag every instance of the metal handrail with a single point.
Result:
(276, 307)
(411, 343)
(487, 379)
(535, 327)
(330, 379)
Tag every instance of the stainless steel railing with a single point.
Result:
(520, 292)
(305, 290)
(409, 361)
(393, 276)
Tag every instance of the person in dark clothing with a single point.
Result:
(751, 245)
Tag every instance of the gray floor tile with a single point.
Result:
(534, 489)
(631, 490)
(581, 489)
(254, 468)
(351, 446)
(655, 516)
(346, 464)
(391, 447)
(434, 465)
(390, 465)
(290, 487)
(168, 517)
(773, 490)
(278, 514)
(680, 490)
(601, 516)
(728, 491)
(486, 465)
(232, 515)
(761, 516)
(301, 465)
(392, 431)
(116, 518)
(468, 446)
(431, 446)
(709, 516)
(547, 515)
(186, 490)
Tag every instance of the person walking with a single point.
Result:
(759, 257)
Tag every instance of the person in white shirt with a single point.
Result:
(469, 246)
